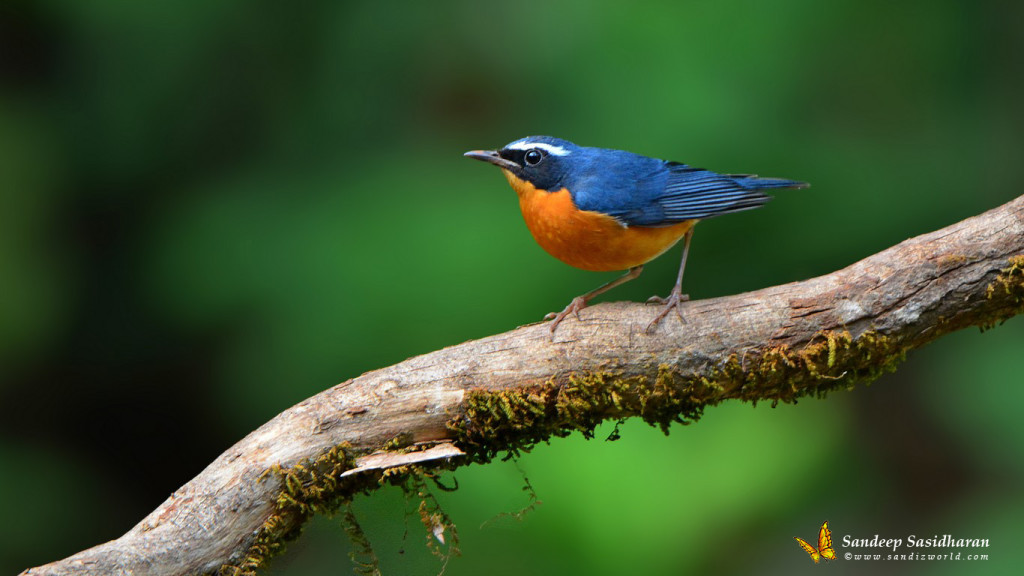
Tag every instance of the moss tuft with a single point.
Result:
(1009, 284)
(515, 420)
(364, 559)
(316, 487)
(1010, 281)
(305, 489)
(441, 533)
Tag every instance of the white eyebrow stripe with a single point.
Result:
(549, 148)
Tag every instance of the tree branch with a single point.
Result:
(508, 391)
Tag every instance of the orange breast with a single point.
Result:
(589, 240)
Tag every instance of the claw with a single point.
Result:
(578, 303)
(660, 300)
(673, 302)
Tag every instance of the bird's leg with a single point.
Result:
(580, 302)
(676, 297)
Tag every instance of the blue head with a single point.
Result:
(545, 162)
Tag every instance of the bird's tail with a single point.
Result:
(753, 182)
(696, 194)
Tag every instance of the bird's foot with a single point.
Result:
(578, 303)
(674, 295)
(673, 302)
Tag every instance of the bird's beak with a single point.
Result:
(492, 157)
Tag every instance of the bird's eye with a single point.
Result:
(533, 157)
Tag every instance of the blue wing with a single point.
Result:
(641, 191)
(694, 193)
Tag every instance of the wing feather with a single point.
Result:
(693, 193)
(665, 193)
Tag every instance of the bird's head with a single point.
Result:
(544, 162)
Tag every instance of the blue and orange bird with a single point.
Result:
(600, 209)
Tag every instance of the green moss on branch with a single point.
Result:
(514, 420)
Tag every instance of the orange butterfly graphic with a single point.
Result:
(824, 549)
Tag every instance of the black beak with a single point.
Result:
(492, 157)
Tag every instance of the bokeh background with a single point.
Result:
(212, 210)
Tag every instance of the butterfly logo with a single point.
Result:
(824, 549)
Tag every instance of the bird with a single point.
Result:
(602, 210)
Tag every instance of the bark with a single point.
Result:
(814, 334)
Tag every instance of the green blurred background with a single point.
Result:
(212, 210)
